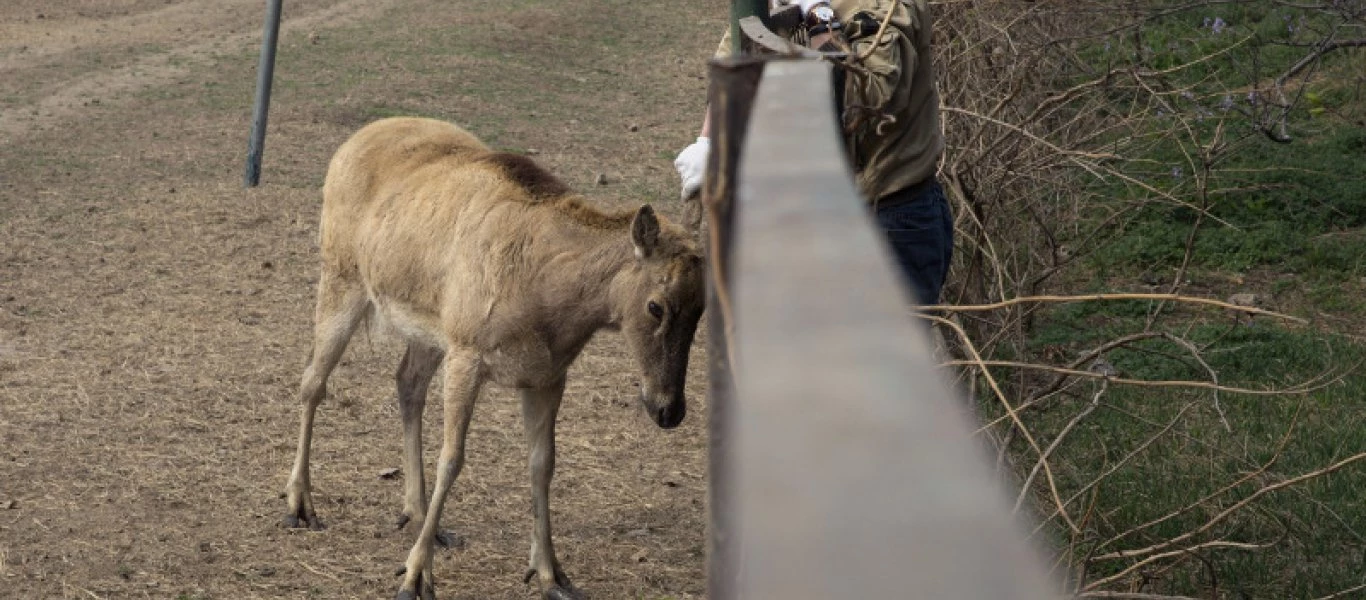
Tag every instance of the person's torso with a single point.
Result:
(895, 140)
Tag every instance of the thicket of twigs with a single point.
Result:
(1054, 112)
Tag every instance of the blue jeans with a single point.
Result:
(919, 229)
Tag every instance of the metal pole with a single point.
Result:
(265, 73)
(740, 9)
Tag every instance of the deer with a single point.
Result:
(487, 263)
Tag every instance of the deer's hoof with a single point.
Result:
(562, 590)
(296, 521)
(450, 541)
(422, 586)
(428, 592)
(559, 593)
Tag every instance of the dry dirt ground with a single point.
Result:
(155, 315)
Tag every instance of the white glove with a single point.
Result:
(691, 165)
(806, 5)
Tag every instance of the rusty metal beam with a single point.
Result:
(739, 9)
(849, 469)
(755, 32)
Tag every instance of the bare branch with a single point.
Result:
(1204, 385)
(1318, 53)
(1233, 509)
(1111, 297)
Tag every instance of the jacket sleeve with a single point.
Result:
(723, 48)
(888, 57)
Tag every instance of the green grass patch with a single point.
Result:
(1317, 528)
(1270, 205)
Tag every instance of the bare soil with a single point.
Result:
(155, 315)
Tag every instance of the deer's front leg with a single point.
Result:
(539, 409)
(463, 380)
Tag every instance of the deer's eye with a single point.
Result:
(656, 310)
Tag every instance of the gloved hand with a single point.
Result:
(691, 165)
(806, 5)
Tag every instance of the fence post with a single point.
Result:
(734, 81)
(265, 74)
(847, 468)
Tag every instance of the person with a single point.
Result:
(891, 127)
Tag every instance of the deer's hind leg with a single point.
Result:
(414, 376)
(341, 305)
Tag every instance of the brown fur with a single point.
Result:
(526, 173)
(487, 260)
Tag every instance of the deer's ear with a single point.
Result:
(645, 231)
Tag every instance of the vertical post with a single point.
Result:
(265, 73)
(740, 9)
(734, 82)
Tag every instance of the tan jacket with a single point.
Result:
(900, 80)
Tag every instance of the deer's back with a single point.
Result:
(428, 219)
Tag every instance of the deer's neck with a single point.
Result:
(581, 282)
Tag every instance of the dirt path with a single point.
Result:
(58, 59)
